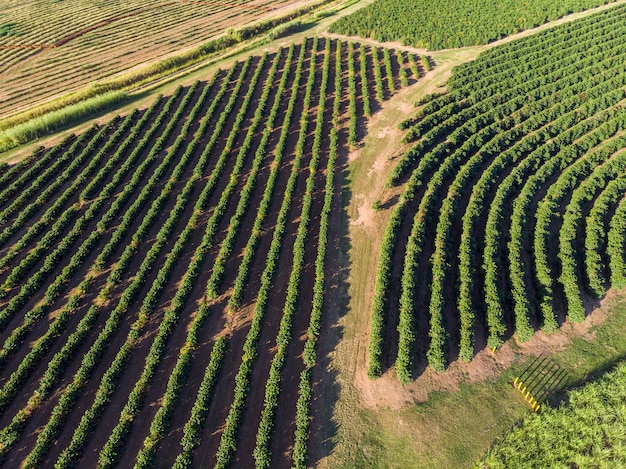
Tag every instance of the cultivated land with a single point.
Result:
(48, 48)
(535, 125)
(192, 282)
(454, 23)
(185, 242)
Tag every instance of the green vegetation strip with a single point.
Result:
(39, 126)
(11, 433)
(70, 109)
(262, 454)
(162, 419)
(228, 440)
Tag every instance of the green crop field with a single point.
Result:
(509, 217)
(231, 235)
(587, 432)
(453, 23)
(177, 254)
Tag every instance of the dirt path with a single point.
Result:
(369, 168)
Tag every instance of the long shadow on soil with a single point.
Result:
(326, 387)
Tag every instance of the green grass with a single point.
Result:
(453, 429)
(589, 431)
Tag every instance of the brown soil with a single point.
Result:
(386, 391)
(239, 7)
(83, 31)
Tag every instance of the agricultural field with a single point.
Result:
(512, 212)
(163, 275)
(260, 242)
(50, 47)
(453, 23)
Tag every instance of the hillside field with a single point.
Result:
(512, 215)
(234, 235)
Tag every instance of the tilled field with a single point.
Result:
(48, 47)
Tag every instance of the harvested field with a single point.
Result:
(50, 48)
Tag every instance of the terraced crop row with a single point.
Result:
(509, 202)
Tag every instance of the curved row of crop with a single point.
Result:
(596, 236)
(471, 110)
(585, 192)
(548, 207)
(561, 131)
(616, 245)
(494, 160)
(534, 131)
(568, 157)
